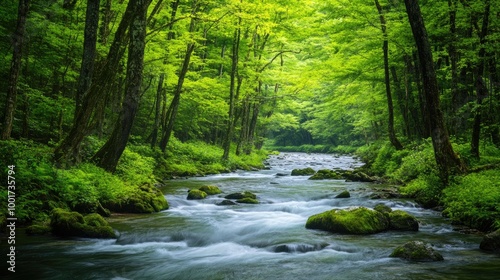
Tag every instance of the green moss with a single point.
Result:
(210, 190)
(248, 200)
(344, 194)
(325, 174)
(416, 251)
(196, 194)
(359, 220)
(382, 208)
(401, 220)
(245, 194)
(38, 229)
(67, 223)
(303, 172)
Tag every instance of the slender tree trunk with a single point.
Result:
(107, 157)
(15, 67)
(174, 105)
(481, 90)
(234, 73)
(159, 101)
(107, 15)
(446, 159)
(89, 51)
(392, 134)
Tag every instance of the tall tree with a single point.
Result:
(107, 157)
(15, 68)
(383, 25)
(89, 51)
(446, 159)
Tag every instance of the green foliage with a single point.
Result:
(474, 199)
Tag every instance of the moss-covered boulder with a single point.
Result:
(248, 200)
(226, 202)
(417, 251)
(325, 174)
(303, 172)
(400, 220)
(382, 208)
(241, 195)
(196, 194)
(357, 176)
(146, 199)
(68, 223)
(358, 220)
(210, 190)
(344, 194)
(491, 242)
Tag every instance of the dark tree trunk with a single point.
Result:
(392, 134)
(89, 51)
(446, 159)
(107, 157)
(480, 86)
(68, 152)
(107, 15)
(159, 101)
(453, 54)
(15, 67)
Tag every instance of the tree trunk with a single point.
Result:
(481, 90)
(159, 101)
(234, 73)
(392, 134)
(15, 67)
(107, 157)
(89, 51)
(107, 15)
(174, 105)
(446, 159)
(68, 152)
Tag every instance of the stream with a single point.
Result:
(201, 240)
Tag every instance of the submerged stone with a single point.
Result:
(416, 251)
(491, 242)
(358, 220)
(302, 172)
(344, 194)
(226, 202)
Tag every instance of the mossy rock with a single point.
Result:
(344, 194)
(416, 251)
(382, 208)
(359, 220)
(303, 172)
(400, 220)
(210, 190)
(325, 174)
(147, 199)
(196, 194)
(357, 176)
(241, 195)
(491, 242)
(68, 224)
(248, 200)
(38, 229)
(226, 202)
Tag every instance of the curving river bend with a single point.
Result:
(200, 240)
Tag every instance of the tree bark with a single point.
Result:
(479, 84)
(108, 156)
(234, 73)
(15, 67)
(392, 134)
(89, 51)
(446, 159)
(159, 101)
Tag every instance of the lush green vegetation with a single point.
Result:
(101, 100)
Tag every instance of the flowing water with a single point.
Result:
(201, 240)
